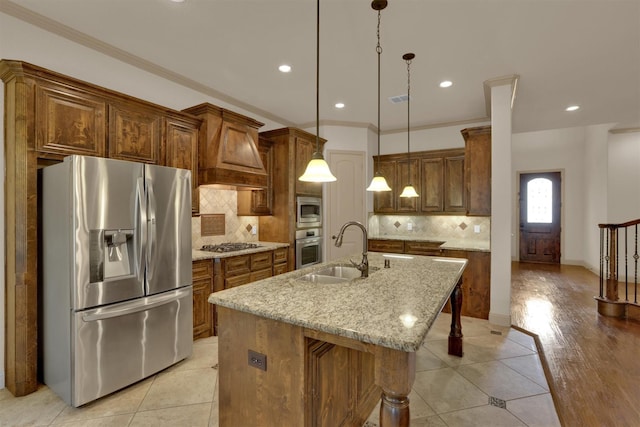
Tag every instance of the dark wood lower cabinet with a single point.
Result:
(203, 312)
(476, 278)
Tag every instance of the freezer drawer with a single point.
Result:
(118, 345)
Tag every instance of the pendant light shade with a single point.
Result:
(317, 170)
(409, 191)
(378, 183)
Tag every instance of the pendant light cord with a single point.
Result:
(379, 51)
(408, 118)
(318, 76)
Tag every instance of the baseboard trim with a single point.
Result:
(500, 319)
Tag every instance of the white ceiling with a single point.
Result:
(564, 51)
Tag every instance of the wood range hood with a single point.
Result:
(228, 148)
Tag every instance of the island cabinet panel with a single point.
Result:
(253, 397)
(203, 312)
(478, 169)
(476, 283)
(69, 120)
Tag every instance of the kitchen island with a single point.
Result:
(297, 353)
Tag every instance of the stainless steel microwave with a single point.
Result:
(308, 212)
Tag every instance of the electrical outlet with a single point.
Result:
(476, 228)
(409, 226)
(254, 230)
(258, 360)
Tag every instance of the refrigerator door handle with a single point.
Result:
(135, 306)
(142, 233)
(151, 221)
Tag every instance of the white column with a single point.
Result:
(502, 92)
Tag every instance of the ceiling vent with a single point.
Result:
(399, 99)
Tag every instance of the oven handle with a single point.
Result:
(309, 242)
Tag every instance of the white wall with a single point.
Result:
(623, 183)
(555, 150)
(595, 191)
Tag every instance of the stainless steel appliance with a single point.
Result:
(308, 212)
(308, 247)
(117, 294)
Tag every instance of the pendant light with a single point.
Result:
(408, 191)
(378, 183)
(317, 170)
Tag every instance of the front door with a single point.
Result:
(540, 204)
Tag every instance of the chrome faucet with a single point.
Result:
(364, 264)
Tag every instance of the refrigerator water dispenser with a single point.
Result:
(112, 254)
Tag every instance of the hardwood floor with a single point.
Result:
(592, 361)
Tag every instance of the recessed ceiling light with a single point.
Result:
(572, 108)
(446, 83)
(339, 105)
(284, 68)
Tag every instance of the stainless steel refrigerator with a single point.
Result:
(117, 290)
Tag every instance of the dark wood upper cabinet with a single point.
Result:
(431, 190)
(438, 176)
(454, 184)
(181, 145)
(478, 169)
(259, 201)
(69, 120)
(134, 134)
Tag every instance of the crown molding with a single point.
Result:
(624, 130)
(438, 125)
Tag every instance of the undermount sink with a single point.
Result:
(334, 274)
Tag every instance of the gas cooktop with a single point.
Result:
(229, 247)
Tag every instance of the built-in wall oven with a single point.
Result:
(308, 212)
(308, 247)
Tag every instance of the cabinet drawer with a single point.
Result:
(237, 265)
(261, 260)
(394, 246)
(280, 255)
(260, 274)
(201, 269)
(423, 248)
(234, 281)
(279, 269)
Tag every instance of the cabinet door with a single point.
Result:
(432, 185)
(385, 201)
(304, 151)
(259, 201)
(454, 185)
(202, 315)
(69, 121)
(182, 152)
(478, 170)
(407, 172)
(134, 134)
(422, 248)
(476, 283)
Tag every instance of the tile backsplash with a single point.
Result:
(431, 226)
(237, 228)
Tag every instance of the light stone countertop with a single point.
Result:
(454, 244)
(393, 307)
(197, 255)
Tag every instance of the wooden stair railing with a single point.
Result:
(614, 243)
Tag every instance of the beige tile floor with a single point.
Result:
(499, 364)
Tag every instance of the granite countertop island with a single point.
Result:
(394, 307)
(295, 352)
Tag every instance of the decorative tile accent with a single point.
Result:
(494, 401)
(237, 228)
(462, 225)
(397, 224)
